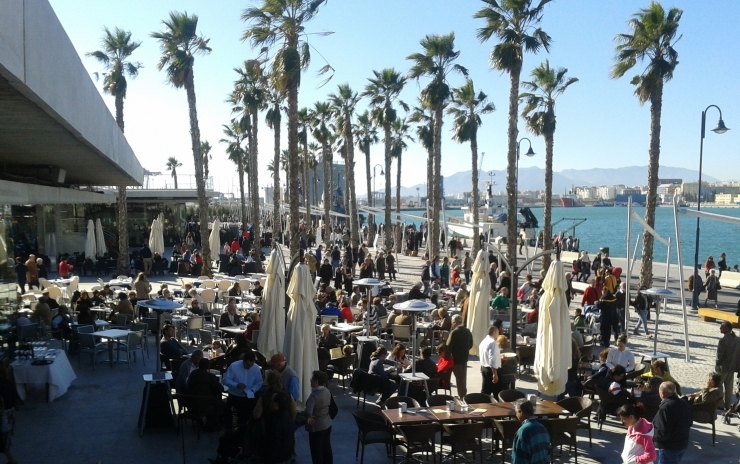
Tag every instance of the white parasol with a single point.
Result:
(479, 316)
(156, 237)
(272, 323)
(99, 239)
(300, 333)
(553, 355)
(214, 239)
(90, 248)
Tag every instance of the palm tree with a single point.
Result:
(117, 48)
(250, 91)
(546, 86)
(652, 39)
(321, 129)
(282, 22)
(180, 43)
(273, 118)
(304, 121)
(172, 165)
(400, 133)
(205, 149)
(234, 135)
(343, 107)
(514, 23)
(367, 135)
(467, 108)
(384, 90)
(436, 62)
(424, 119)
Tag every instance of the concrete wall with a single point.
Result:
(40, 60)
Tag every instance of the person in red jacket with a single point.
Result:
(65, 269)
(591, 295)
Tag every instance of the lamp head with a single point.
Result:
(531, 152)
(721, 128)
(382, 173)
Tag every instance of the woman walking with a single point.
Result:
(319, 421)
(638, 443)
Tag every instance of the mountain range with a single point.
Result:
(533, 178)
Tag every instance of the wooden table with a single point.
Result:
(482, 411)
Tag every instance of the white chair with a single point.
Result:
(194, 325)
(223, 289)
(208, 283)
(55, 293)
(43, 283)
(122, 277)
(208, 297)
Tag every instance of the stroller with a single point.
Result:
(734, 411)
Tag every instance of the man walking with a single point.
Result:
(728, 360)
(671, 425)
(490, 361)
(460, 342)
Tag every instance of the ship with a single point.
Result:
(569, 201)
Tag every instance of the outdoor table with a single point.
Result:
(101, 309)
(236, 330)
(345, 329)
(113, 335)
(61, 282)
(652, 357)
(407, 378)
(121, 282)
(57, 376)
(365, 347)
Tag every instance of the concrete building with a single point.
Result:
(51, 123)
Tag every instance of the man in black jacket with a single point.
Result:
(671, 424)
(460, 341)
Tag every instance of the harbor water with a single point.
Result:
(607, 227)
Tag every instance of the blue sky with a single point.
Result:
(600, 121)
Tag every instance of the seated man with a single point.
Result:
(659, 369)
(187, 368)
(230, 318)
(257, 289)
(532, 442)
(169, 346)
(252, 327)
(711, 394)
(203, 383)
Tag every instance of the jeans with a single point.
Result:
(642, 314)
(669, 456)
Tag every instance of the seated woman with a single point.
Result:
(327, 339)
(124, 307)
(426, 366)
(602, 371)
(60, 323)
(235, 289)
(169, 346)
(501, 301)
(346, 311)
(445, 363)
(378, 362)
(621, 355)
(442, 321)
(398, 356)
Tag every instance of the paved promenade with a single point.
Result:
(95, 422)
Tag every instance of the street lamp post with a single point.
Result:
(720, 129)
(381, 173)
(513, 260)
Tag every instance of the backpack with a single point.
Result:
(333, 408)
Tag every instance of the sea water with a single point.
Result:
(607, 227)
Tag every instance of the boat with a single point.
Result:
(492, 220)
(569, 201)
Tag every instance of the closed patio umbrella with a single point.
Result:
(90, 247)
(99, 238)
(214, 240)
(156, 237)
(272, 323)
(479, 315)
(300, 333)
(553, 354)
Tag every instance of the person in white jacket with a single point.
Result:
(638, 443)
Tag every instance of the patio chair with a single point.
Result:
(418, 439)
(392, 402)
(88, 345)
(371, 429)
(463, 438)
(706, 413)
(143, 328)
(194, 325)
(608, 404)
(439, 400)
(509, 396)
(131, 346)
(581, 407)
(478, 398)
(506, 431)
(525, 357)
(563, 432)
(205, 337)
(28, 332)
(341, 367)
(401, 333)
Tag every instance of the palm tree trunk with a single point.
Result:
(370, 199)
(122, 264)
(276, 219)
(306, 186)
(397, 229)
(433, 237)
(199, 180)
(257, 235)
(350, 143)
(174, 177)
(430, 186)
(656, 109)
(511, 186)
(475, 197)
(326, 165)
(547, 231)
(388, 159)
(242, 198)
(293, 165)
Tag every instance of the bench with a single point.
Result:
(711, 315)
(730, 279)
